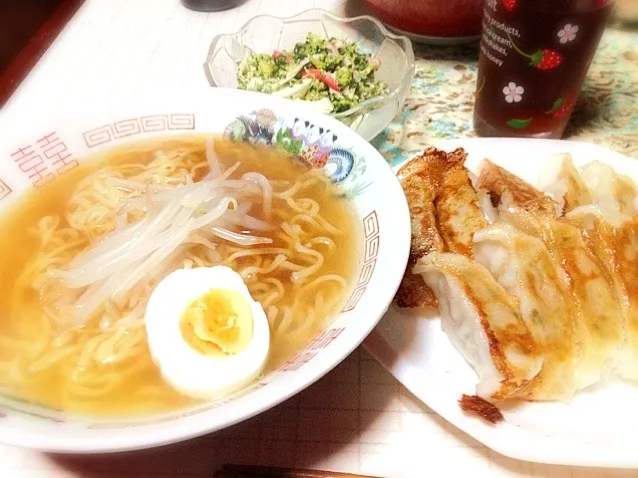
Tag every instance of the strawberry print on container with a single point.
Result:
(510, 5)
(545, 59)
(534, 57)
(562, 107)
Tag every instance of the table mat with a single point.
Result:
(358, 418)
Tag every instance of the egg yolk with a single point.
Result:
(219, 322)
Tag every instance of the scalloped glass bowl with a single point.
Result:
(266, 33)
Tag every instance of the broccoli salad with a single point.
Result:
(331, 74)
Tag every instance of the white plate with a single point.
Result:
(599, 428)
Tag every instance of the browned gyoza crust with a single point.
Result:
(457, 206)
(420, 179)
(500, 182)
(445, 214)
(478, 406)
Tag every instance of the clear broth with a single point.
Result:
(143, 392)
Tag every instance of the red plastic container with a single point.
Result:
(433, 18)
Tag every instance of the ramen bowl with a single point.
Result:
(41, 155)
(267, 33)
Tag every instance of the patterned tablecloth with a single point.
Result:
(358, 418)
(441, 102)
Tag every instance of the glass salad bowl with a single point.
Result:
(266, 34)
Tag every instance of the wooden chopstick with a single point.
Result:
(248, 471)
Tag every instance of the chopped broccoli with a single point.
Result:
(339, 72)
(266, 66)
(316, 91)
(344, 76)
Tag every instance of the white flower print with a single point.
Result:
(513, 93)
(568, 33)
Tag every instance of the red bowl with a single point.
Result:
(435, 18)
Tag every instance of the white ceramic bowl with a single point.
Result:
(362, 174)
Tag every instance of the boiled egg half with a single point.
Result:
(205, 332)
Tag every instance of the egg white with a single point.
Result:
(189, 372)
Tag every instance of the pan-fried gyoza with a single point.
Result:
(598, 326)
(483, 321)
(445, 213)
(536, 287)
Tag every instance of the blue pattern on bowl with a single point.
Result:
(339, 165)
(311, 144)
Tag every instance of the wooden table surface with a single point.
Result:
(27, 29)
